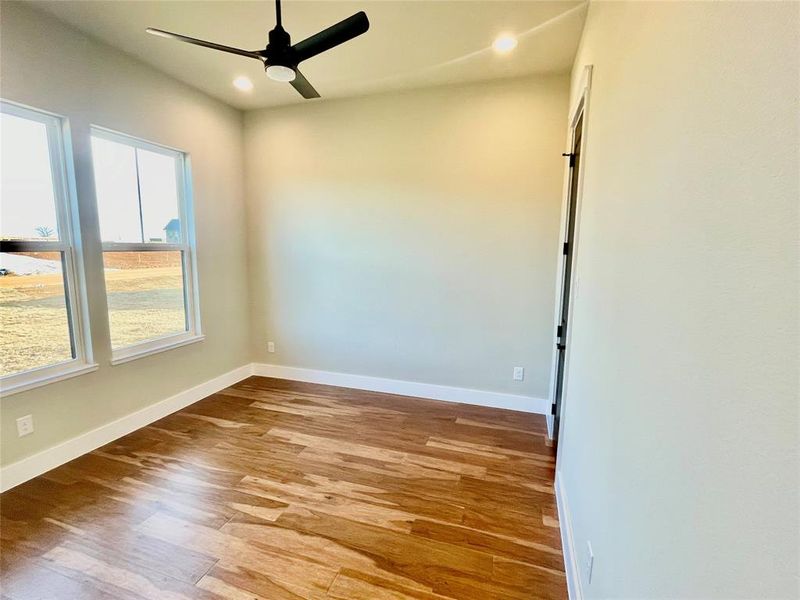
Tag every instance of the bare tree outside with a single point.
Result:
(45, 231)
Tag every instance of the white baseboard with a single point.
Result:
(28, 468)
(568, 542)
(406, 388)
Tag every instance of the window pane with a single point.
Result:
(33, 311)
(28, 209)
(116, 189)
(145, 295)
(159, 189)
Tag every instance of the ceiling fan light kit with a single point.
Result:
(280, 58)
(280, 73)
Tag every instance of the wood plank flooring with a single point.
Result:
(273, 490)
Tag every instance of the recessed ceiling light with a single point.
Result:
(504, 43)
(243, 84)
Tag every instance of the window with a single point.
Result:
(42, 312)
(148, 244)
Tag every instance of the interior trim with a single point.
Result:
(21, 471)
(154, 346)
(568, 542)
(28, 380)
(580, 109)
(431, 391)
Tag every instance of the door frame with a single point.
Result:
(580, 108)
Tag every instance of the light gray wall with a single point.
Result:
(47, 65)
(410, 235)
(679, 451)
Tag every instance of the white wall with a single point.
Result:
(410, 235)
(49, 66)
(679, 455)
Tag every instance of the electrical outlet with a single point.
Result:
(589, 562)
(270, 346)
(25, 425)
(519, 373)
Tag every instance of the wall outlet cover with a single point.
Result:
(519, 373)
(270, 346)
(25, 425)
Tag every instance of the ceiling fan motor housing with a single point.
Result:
(279, 49)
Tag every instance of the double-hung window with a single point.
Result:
(146, 227)
(43, 316)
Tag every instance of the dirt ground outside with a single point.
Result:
(144, 302)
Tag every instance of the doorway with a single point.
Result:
(566, 270)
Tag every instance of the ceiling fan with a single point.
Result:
(280, 58)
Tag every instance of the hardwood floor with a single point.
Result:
(278, 490)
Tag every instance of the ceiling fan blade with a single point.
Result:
(301, 84)
(205, 44)
(334, 35)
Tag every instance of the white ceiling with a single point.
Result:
(410, 43)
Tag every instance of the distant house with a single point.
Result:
(173, 231)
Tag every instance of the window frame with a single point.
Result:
(187, 248)
(68, 245)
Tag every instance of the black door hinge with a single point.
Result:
(553, 409)
(566, 248)
(571, 158)
(559, 330)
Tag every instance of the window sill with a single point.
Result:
(135, 352)
(69, 372)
